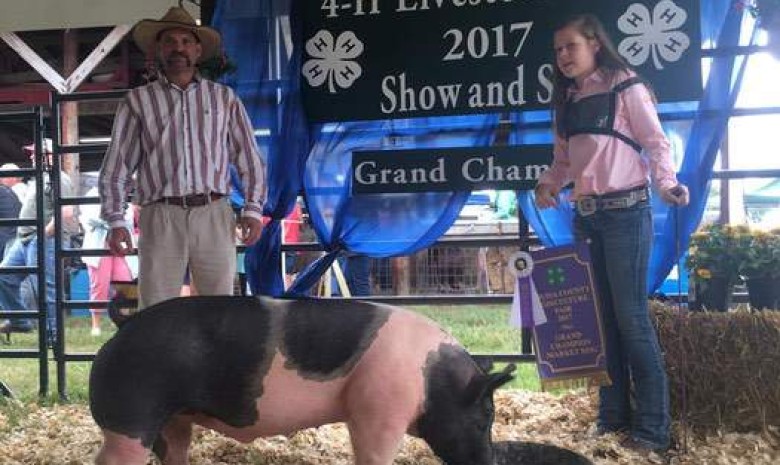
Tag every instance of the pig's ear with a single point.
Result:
(485, 364)
(484, 385)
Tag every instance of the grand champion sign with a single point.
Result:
(449, 169)
(385, 59)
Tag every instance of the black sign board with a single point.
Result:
(449, 169)
(387, 59)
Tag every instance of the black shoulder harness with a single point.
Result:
(595, 114)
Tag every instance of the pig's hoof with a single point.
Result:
(517, 452)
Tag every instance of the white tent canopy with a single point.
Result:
(31, 15)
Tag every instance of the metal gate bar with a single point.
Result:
(35, 118)
(60, 254)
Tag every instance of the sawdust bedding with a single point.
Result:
(66, 435)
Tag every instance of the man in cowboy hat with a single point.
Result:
(173, 142)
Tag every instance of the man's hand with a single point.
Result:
(249, 230)
(119, 241)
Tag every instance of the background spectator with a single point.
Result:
(291, 234)
(10, 204)
(358, 275)
(24, 249)
(16, 183)
(103, 270)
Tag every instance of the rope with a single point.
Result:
(683, 359)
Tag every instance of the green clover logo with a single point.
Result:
(555, 276)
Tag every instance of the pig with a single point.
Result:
(252, 367)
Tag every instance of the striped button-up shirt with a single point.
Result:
(599, 164)
(170, 142)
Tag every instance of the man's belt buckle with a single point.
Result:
(194, 200)
(587, 206)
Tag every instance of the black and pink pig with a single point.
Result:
(250, 367)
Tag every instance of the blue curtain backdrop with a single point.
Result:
(267, 83)
(381, 225)
(674, 225)
(319, 157)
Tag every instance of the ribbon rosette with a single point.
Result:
(527, 310)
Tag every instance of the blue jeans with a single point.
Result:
(620, 243)
(358, 275)
(12, 285)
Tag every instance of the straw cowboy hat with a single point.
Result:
(146, 32)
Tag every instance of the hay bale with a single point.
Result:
(724, 368)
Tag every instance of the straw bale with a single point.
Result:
(724, 368)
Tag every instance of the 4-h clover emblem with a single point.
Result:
(555, 276)
(655, 35)
(332, 60)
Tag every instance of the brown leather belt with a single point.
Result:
(191, 201)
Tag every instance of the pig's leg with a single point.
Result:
(121, 450)
(375, 442)
(378, 417)
(172, 446)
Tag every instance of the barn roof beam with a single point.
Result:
(62, 84)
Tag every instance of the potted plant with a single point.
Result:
(761, 269)
(715, 259)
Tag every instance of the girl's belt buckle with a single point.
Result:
(587, 206)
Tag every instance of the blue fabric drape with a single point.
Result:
(381, 225)
(703, 144)
(273, 102)
(552, 225)
(375, 225)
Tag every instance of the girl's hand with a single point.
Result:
(677, 195)
(546, 196)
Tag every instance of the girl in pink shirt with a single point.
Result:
(610, 144)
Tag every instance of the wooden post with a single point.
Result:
(70, 110)
(401, 276)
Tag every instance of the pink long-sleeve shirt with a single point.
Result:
(180, 142)
(599, 164)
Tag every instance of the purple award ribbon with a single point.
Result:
(522, 299)
(527, 308)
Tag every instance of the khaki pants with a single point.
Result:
(173, 237)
